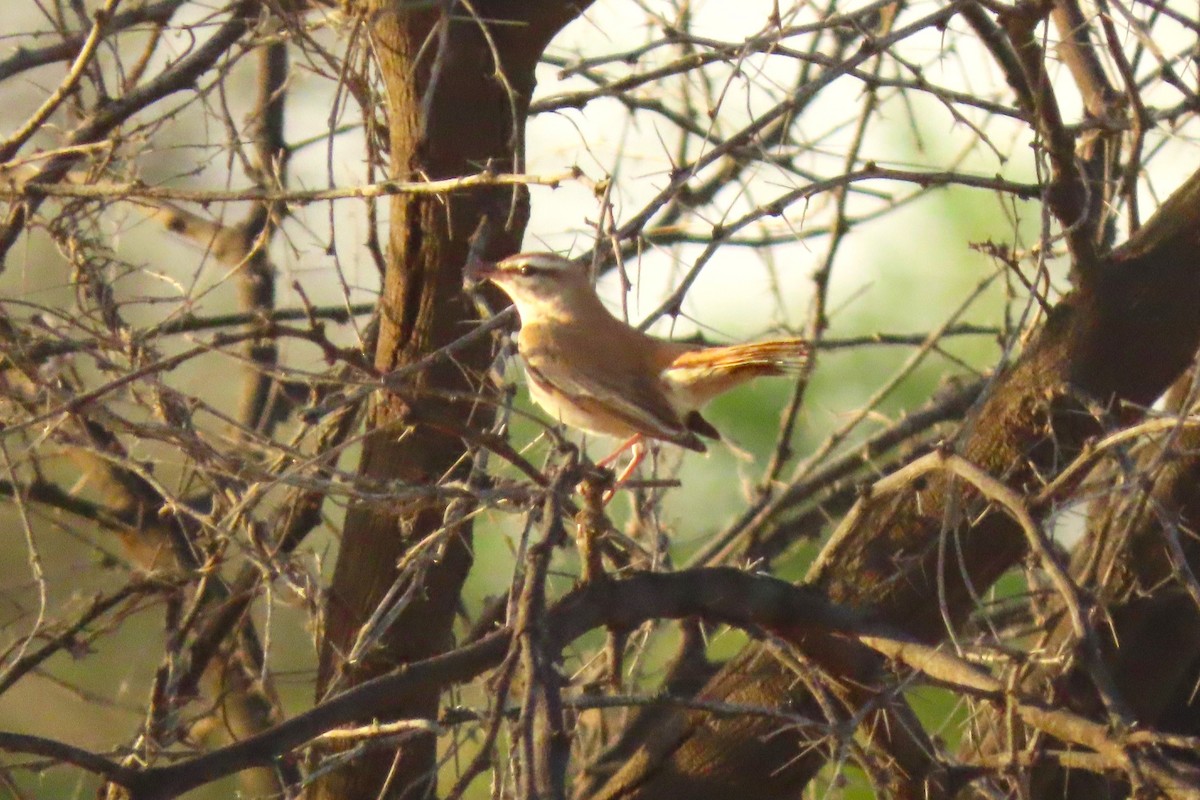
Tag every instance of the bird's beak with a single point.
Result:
(478, 271)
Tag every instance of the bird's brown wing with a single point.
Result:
(633, 398)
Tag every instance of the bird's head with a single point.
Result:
(540, 284)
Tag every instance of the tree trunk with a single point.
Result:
(1124, 335)
(452, 110)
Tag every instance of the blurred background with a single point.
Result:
(907, 260)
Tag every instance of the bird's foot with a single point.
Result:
(639, 455)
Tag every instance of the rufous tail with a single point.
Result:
(773, 357)
(700, 375)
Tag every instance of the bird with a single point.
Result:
(592, 371)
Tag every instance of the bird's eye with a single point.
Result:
(525, 270)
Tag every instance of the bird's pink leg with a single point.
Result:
(639, 455)
(625, 445)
